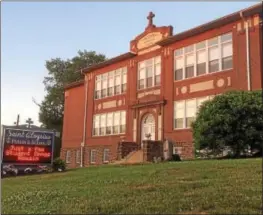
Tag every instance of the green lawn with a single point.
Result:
(225, 186)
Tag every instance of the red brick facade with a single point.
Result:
(159, 101)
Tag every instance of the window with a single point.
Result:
(205, 57)
(78, 156)
(98, 87)
(201, 62)
(123, 122)
(106, 156)
(96, 125)
(116, 123)
(185, 111)
(111, 83)
(227, 52)
(102, 124)
(117, 82)
(68, 156)
(109, 123)
(124, 81)
(93, 156)
(149, 73)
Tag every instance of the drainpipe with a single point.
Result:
(247, 51)
(85, 122)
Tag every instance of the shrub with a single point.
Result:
(233, 120)
(59, 165)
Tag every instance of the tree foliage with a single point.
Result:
(233, 119)
(60, 73)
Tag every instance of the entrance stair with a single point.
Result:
(132, 158)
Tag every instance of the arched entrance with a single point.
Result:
(148, 128)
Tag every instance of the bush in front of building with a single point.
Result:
(231, 121)
(59, 165)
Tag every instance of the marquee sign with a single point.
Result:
(26, 146)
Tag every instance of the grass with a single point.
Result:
(195, 187)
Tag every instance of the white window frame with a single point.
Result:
(93, 156)
(112, 126)
(185, 109)
(104, 155)
(153, 65)
(181, 53)
(78, 155)
(99, 78)
(68, 156)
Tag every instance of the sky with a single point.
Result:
(34, 32)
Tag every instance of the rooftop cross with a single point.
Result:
(150, 18)
(29, 122)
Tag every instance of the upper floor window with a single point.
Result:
(111, 83)
(149, 73)
(205, 57)
(109, 123)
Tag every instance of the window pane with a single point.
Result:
(200, 45)
(201, 56)
(123, 117)
(179, 123)
(117, 80)
(178, 74)
(178, 52)
(103, 93)
(110, 91)
(189, 72)
(179, 63)
(149, 82)
(227, 50)
(117, 89)
(106, 155)
(157, 69)
(157, 59)
(124, 88)
(189, 49)
(190, 108)
(213, 41)
(141, 84)
(109, 123)
(142, 74)
(98, 85)
(157, 80)
(124, 78)
(213, 53)
(111, 82)
(189, 60)
(201, 69)
(213, 66)
(92, 156)
(149, 72)
(179, 109)
(227, 63)
(97, 94)
(226, 37)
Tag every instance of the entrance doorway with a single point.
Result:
(148, 128)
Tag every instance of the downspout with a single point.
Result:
(247, 51)
(85, 122)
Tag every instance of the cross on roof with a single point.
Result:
(29, 122)
(150, 18)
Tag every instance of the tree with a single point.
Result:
(60, 73)
(233, 119)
